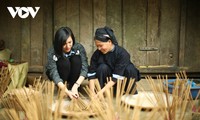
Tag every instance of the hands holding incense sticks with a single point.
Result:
(73, 93)
(67, 92)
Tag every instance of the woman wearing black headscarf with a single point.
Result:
(110, 60)
(67, 62)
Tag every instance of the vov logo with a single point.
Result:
(23, 12)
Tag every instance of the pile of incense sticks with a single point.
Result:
(35, 102)
(30, 103)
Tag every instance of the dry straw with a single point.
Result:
(4, 80)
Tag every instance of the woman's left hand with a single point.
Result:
(75, 90)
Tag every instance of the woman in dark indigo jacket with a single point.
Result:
(110, 61)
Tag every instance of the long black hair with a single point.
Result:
(62, 34)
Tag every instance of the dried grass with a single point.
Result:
(4, 80)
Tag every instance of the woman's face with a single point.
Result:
(68, 45)
(104, 47)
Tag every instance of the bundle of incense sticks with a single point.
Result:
(108, 106)
(75, 109)
(171, 106)
(29, 103)
(179, 106)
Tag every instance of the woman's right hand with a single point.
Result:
(71, 94)
(67, 92)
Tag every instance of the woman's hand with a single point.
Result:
(75, 89)
(67, 92)
(71, 94)
(77, 85)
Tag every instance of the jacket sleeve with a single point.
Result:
(51, 68)
(123, 59)
(93, 65)
(84, 59)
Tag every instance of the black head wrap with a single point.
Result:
(104, 34)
